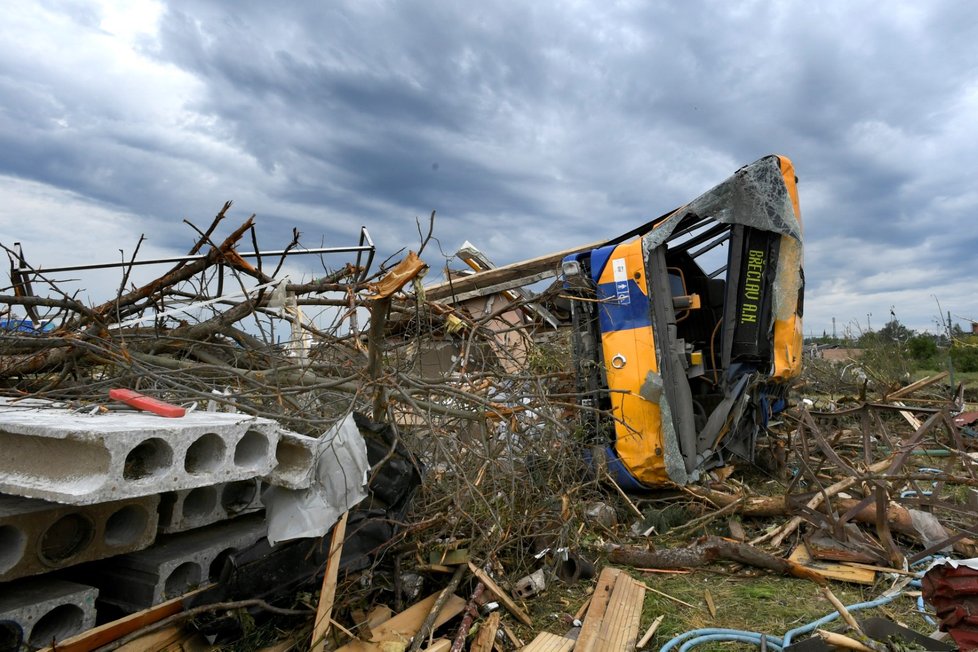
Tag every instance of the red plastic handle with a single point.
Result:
(142, 402)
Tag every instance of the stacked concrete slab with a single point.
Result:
(175, 565)
(81, 459)
(131, 507)
(36, 611)
(193, 508)
(37, 536)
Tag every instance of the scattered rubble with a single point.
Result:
(419, 482)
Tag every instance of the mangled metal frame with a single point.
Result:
(757, 325)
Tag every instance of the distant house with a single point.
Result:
(834, 353)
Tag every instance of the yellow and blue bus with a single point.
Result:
(687, 330)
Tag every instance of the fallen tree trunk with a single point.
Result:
(708, 550)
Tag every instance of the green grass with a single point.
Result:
(969, 378)
(745, 599)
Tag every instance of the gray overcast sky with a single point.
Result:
(528, 126)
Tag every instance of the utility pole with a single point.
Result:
(869, 324)
(833, 329)
(950, 347)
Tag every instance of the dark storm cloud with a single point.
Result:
(391, 111)
(528, 126)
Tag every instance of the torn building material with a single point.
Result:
(295, 460)
(952, 587)
(277, 572)
(80, 459)
(479, 262)
(338, 484)
(37, 536)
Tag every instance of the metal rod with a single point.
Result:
(180, 259)
(698, 222)
(710, 245)
(717, 272)
(365, 237)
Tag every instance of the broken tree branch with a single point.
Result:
(706, 551)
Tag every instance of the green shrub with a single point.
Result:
(965, 358)
(923, 348)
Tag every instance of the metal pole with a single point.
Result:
(950, 348)
(180, 259)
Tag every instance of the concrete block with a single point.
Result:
(295, 460)
(39, 610)
(174, 565)
(79, 459)
(298, 458)
(37, 536)
(192, 508)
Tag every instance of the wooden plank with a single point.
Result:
(913, 387)
(839, 572)
(104, 634)
(439, 645)
(327, 592)
(613, 616)
(914, 422)
(521, 269)
(619, 627)
(496, 590)
(582, 609)
(547, 642)
(511, 635)
(587, 639)
(378, 616)
(486, 635)
(495, 288)
(406, 624)
(879, 569)
(638, 605)
(365, 622)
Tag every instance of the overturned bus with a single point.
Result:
(687, 330)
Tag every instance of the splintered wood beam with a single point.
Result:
(327, 592)
(486, 637)
(650, 632)
(547, 264)
(497, 591)
(832, 571)
(499, 287)
(913, 387)
(406, 624)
